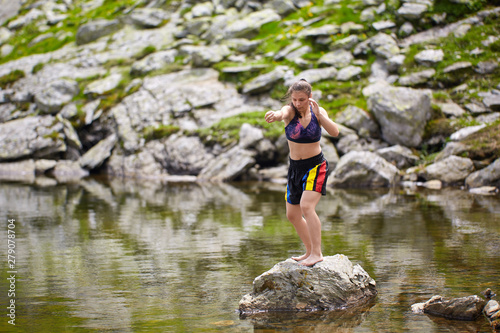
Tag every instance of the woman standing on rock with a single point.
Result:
(308, 169)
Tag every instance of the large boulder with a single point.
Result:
(402, 114)
(363, 169)
(487, 176)
(265, 82)
(18, 171)
(332, 284)
(451, 170)
(36, 136)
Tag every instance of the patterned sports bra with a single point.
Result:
(296, 133)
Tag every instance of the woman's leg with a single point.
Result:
(308, 207)
(294, 215)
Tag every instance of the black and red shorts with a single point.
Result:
(310, 174)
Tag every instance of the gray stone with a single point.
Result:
(22, 171)
(429, 57)
(56, 95)
(463, 308)
(250, 136)
(346, 43)
(265, 82)
(383, 25)
(492, 101)
(417, 78)
(457, 67)
(486, 67)
(363, 169)
(205, 56)
(465, 132)
(338, 58)
(33, 15)
(476, 107)
(314, 75)
(402, 114)
(359, 120)
(96, 155)
(384, 45)
(153, 62)
(451, 148)
(406, 29)
(325, 30)
(229, 165)
(202, 9)
(140, 165)
(148, 17)
(333, 284)
(103, 86)
(411, 11)
(68, 172)
(485, 177)
(94, 30)
(282, 7)
(43, 165)
(450, 170)
(249, 25)
(401, 157)
(451, 109)
(349, 73)
(36, 136)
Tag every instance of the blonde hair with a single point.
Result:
(299, 86)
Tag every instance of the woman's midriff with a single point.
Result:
(301, 151)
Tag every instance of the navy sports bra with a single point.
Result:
(296, 133)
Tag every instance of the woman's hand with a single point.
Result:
(270, 116)
(315, 107)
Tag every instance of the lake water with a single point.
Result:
(138, 256)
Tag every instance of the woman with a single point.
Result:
(308, 170)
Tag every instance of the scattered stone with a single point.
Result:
(401, 157)
(332, 284)
(433, 184)
(411, 11)
(359, 120)
(265, 82)
(451, 109)
(486, 67)
(338, 58)
(383, 25)
(417, 78)
(153, 62)
(229, 165)
(492, 101)
(429, 57)
(349, 73)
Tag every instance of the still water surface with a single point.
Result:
(126, 256)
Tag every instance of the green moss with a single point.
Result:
(10, 78)
(162, 131)
(37, 68)
(484, 144)
(456, 11)
(54, 135)
(226, 131)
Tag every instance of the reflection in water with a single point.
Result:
(145, 256)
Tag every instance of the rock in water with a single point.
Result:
(333, 284)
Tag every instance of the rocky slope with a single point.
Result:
(177, 90)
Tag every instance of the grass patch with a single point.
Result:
(484, 144)
(10, 78)
(162, 131)
(227, 130)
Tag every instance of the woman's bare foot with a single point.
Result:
(302, 257)
(311, 260)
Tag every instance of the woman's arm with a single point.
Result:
(283, 114)
(323, 119)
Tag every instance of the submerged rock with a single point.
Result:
(332, 284)
(463, 308)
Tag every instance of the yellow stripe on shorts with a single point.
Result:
(311, 177)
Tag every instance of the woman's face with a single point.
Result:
(301, 100)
